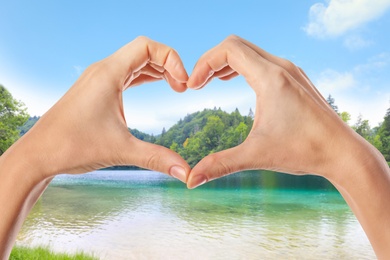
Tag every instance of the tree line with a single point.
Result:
(196, 135)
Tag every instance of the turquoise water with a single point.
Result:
(148, 215)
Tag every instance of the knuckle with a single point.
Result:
(225, 167)
(232, 37)
(276, 76)
(283, 77)
(153, 161)
(142, 39)
(288, 65)
(221, 165)
(231, 41)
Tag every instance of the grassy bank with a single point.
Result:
(43, 253)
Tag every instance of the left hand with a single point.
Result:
(86, 129)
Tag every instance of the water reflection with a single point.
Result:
(132, 215)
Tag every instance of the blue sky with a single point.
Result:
(343, 45)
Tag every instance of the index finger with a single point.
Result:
(234, 53)
(136, 54)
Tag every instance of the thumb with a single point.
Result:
(219, 164)
(154, 157)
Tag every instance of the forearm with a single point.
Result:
(21, 185)
(364, 182)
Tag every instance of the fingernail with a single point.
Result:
(179, 173)
(192, 86)
(198, 180)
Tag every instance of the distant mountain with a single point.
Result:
(30, 123)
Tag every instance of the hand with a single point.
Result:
(294, 131)
(86, 130)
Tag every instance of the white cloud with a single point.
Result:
(376, 63)
(342, 16)
(356, 42)
(332, 81)
(361, 90)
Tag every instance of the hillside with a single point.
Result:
(202, 133)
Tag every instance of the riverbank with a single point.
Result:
(38, 253)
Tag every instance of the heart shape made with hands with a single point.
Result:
(287, 101)
(90, 115)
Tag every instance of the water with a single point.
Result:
(148, 215)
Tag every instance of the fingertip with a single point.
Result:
(182, 88)
(180, 74)
(176, 85)
(194, 86)
(196, 181)
(192, 82)
(155, 158)
(179, 87)
(174, 65)
(219, 164)
(201, 75)
(179, 173)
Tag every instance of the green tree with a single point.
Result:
(362, 127)
(13, 115)
(174, 147)
(384, 133)
(251, 114)
(332, 104)
(241, 132)
(152, 139)
(212, 132)
(376, 141)
(345, 116)
(233, 136)
(194, 150)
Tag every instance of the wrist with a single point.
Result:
(22, 182)
(25, 161)
(362, 177)
(355, 160)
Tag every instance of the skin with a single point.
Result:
(295, 131)
(86, 130)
